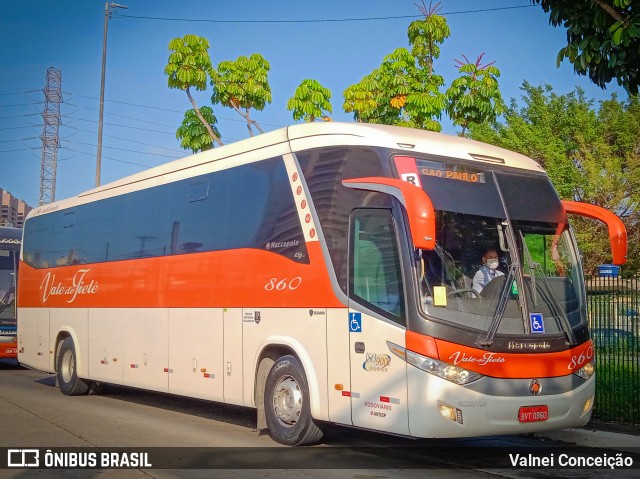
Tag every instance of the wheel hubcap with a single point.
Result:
(67, 366)
(287, 400)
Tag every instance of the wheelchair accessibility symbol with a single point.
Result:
(537, 324)
(355, 322)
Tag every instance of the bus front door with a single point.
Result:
(376, 315)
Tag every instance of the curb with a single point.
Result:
(595, 438)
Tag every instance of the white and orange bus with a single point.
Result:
(322, 273)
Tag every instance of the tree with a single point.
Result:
(474, 98)
(425, 35)
(603, 38)
(242, 85)
(399, 92)
(310, 101)
(188, 67)
(404, 90)
(193, 134)
(591, 155)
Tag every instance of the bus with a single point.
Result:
(10, 240)
(321, 273)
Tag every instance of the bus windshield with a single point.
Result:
(9, 249)
(7, 287)
(516, 222)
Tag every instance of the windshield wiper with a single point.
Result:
(559, 313)
(500, 309)
(532, 270)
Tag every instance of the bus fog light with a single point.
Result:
(587, 405)
(586, 371)
(448, 412)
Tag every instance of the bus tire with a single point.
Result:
(68, 381)
(286, 404)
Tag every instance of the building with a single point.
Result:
(14, 210)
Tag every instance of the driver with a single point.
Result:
(488, 271)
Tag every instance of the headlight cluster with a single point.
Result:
(586, 371)
(446, 371)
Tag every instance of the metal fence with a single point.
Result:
(614, 309)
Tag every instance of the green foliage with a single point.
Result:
(591, 155)
(474, 98)
(399, 92)
(242, 85)
(405, 91)
(603, 38)
(188, 66)
(426, 34)
(192, 133)
(310, 101)
(189, 63)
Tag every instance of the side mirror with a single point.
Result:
(422, 218)
(617, 231)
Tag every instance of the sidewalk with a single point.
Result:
(619, 438)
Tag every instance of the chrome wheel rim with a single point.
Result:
(287, 400)
(67, 366)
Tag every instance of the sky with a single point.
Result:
(141, 113)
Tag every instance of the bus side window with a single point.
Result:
(375, 263)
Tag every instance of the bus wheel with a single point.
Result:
(286, 404)
(68, 381)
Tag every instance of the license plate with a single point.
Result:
(533, 413)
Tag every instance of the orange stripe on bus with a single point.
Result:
(232, 278)
(510, 365)
(421, 344)
(499, 364)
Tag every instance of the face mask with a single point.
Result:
(492, 263)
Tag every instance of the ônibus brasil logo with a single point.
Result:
(79, 286)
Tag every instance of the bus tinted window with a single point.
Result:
(376, 277)
(324, 169)
(195, 215)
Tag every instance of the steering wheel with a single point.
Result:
(464, 290)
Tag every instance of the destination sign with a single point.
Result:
(449, 171)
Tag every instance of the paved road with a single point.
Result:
(33, 413)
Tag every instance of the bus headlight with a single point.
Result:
(586, 371)
(446, 371)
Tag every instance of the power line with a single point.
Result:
(130, 151)
(142, 143)
(21, 104)
(19, 116)
(20, 139)
(127, 126)
(106, 157)
(132, 104)
(18, 127)
(164, 109)
(21, 149)
(118, 138)
(324, 20)
(19, 92)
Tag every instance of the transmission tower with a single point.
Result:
(49, 137)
